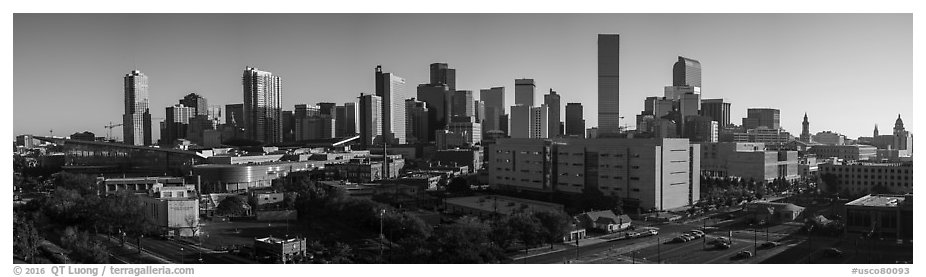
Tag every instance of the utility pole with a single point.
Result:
(755, 242)
(381, 238)
(658, 252)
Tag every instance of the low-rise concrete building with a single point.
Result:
(174, 210)
(652, 174)
(845, 152)
(773, 212)
(868, 177)
(881, 216)
(748, 160)
(605, 221)
(282, 250)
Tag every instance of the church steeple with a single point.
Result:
(805, 131)
(898, 125)
(876, 131)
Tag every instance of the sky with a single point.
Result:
(848, 72)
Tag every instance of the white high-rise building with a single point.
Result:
(262, 106)
(136, 128)
(391, 89)
(540, 122)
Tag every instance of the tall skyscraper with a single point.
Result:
(326, 108)
(494, 99)
(391, 89)
(370, 119)
(520, 121)
(262, 105)
(609, 119)
(756, 117)
(443, 74)
(717, 110)
(552, 101)
(136, 128)
(686, 72)
(805, 129)
(438, 100)
(417, 122)
(480, 110)
(575, 121)
(176, 122)
(197, 102)
(462, 103)
(524, 92)
(289, 126)
(345, 120)
(539, 122)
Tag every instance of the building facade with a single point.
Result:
(371, 124)
(552, 101)
(609, 83)
(653, 174)
(868, 177)
(391, 89)
(136, 122)
(575, 120)
(262, 105)
(748, 161)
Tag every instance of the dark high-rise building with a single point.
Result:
(524, 92)
(494, 99)
(136, 128)
(391, 89)
(262, 105)
(234, 114)
(417, 123)
(575, 120)
(717, 110)
(552, 100)
(609, 119)
(438, 100)
(326, 108)
(686, 72)
(289, 126)
(370, 119)
(770, 118)
(197, 102)
(805, 129)
(442, 74)
(462, 103)
(176, 123)
(345, 120)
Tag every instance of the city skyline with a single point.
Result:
(767, 62)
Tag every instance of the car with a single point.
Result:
(722, 245)
(677, 240)
(648, 233)
(721, 240)
(743, 254)
(769, 244)
(697, 232)
(832, 252)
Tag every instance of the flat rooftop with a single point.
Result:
(877, 201)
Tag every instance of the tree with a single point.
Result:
(340, 253)
(466, 241)
(555, 224)
(232, 206)
(527, 228)
(26, 239)
(83, 248)
(458, 185)
(83, 184)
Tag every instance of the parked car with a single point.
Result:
(722, 245)
(832, 252)
(721, 240)
(744, 255)
(697, 232)
(678, 239)
(769, 244)
(648, 233)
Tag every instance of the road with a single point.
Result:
(181, 252)
(666, 231)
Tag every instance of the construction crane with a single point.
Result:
(109, 130)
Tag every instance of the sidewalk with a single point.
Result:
(533, 252)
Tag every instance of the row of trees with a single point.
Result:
(74, 212)
(411, 240)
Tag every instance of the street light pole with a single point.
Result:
(658, 252)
